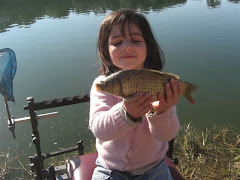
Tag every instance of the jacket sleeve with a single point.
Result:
(106, 121)
(165, 126)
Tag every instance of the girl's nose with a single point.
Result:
(127, 45)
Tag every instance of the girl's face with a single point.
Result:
(127, 52)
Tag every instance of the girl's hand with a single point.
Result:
(173, 92)
(139, 105)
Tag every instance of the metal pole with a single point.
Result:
(36, 139)
(11, 124)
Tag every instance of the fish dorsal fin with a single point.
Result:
(173, 75)
(165, 73)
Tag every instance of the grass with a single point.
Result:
(13, 166)
(207, 155)
(210, 154)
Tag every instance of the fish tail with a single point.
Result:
(188, 92)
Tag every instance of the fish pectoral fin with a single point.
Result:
(131, 97)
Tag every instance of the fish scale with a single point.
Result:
(143, 82)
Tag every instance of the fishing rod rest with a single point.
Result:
(36, 161)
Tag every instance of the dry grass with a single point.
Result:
(209, 154)
(3, 165)
(11, 165)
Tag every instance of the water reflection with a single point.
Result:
(214, 3)
(234, 1)
(217, 3)
(24, 13)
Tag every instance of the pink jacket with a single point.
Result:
(123, 146)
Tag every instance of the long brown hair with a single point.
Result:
(155, 57)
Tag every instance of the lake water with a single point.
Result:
(55, 46)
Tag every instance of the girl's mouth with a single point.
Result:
(128, 56)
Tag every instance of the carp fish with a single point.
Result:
(126, 83)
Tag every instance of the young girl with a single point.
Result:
(131, 142)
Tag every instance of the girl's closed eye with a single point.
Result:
(115, 41)
(137, 38)
(136, 41)
(119, 42)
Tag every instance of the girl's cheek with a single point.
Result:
(113, 51)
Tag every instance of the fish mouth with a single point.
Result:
(98, 87)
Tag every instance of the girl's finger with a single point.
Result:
(142, 99)
(169, 95)
(180, 88)
(174, 87)
(161, 98)
(160, 105)
(146, 109)
(140, 106)
(146, 104)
